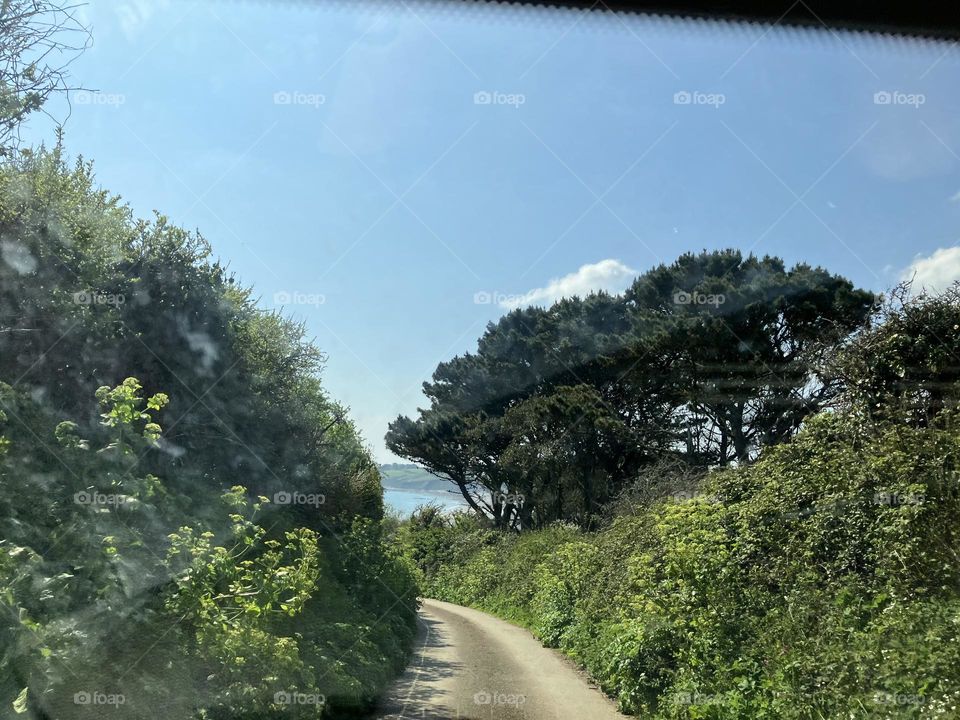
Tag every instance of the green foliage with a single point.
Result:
(231, 598)
(904, 368)
(90, 295)
(132, 563)
(706, 360)
(820, 582)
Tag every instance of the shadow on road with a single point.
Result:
(417, 694)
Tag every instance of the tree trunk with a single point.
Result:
(740, 445)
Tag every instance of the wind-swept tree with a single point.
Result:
(570, 453)
(531, 354)
(750, 338)
(707, 359)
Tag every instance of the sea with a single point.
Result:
(406, 501)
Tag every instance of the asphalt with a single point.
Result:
(472, 666)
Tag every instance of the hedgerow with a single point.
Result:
(820, 582)
(154, 425)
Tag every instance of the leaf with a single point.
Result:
(157, 401)
(20, 704)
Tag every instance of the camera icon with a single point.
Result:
(882, 98)
(482, 97)
(82, 298)
(81, 698)
(282, 698)
(482, 298)
(682, 98)
(482, 698)
(282, 298)
(682, 298)
(282, 498)
(885, 498)
(82, 498)
(282, 98)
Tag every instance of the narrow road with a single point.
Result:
(472, 666)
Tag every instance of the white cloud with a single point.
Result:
(936, 272)
(609, 275)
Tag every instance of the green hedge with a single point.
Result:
(170, 614)
(180, 605)
(821, 582)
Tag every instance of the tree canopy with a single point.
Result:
(707, 359)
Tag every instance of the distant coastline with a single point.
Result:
(407, 486)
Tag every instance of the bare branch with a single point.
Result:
(38, 42)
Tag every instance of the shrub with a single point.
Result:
(820, 582)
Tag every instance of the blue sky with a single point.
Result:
(398, 174)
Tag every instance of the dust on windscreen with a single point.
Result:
(466, 360)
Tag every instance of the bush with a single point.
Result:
(820, 582)
(221, 624)
(161, 593)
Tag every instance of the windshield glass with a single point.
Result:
(381, 359)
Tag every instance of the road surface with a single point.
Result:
(471, 666)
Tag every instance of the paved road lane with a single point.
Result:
(472, 666)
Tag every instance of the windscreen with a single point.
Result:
(475, 360)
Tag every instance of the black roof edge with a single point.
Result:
(930, 19)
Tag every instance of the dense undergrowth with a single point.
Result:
(189, 526)
(820, 582)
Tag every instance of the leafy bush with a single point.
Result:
(143, 553)
(227, 622)
(820, 582)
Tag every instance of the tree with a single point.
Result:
(906, 365)
(529, 354)
(38, 41)
(105, 296)
(559, 408)
(570, 453)
(750, 337)
(440, 443)
(88, 296)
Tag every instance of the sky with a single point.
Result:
(399, 174)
